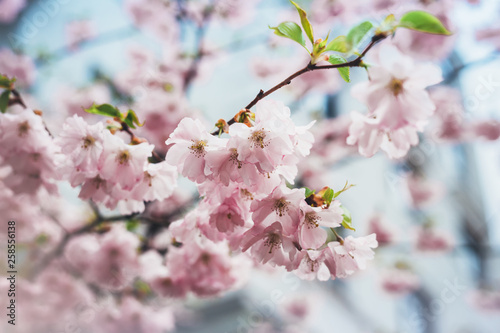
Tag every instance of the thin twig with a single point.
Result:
(200, 37)
(309, 68)
(45, 261)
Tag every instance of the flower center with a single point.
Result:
(396, 86)
(148, 178)
(313, 264)
(312, 219)
(205, 258)
(272, 240)
(281, 206)
(234, 157)
(198, 148)
(23, 129)
(97, 182)
(123, 157)
(246, 194)
(88, 141)
(257, 139)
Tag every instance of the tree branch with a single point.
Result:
(309, 68)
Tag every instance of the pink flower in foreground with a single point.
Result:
(191, 141)
(83, 143)
(260, 145)
(366, 132)
(396, 93)
(269, 244)
(225, 167)
(230, 214)
(352, 255)
(122, 163)
(314, 265)
(281, 205)
(158, 183)
(312, 236)
(274, 142)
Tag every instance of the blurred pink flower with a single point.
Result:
(485, 300)
(399, 282)
(424, 192)
(379, 226)
(395, 93)
(9, 9)
(78, 32)
(430, 239)
(19, 66)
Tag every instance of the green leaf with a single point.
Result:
(388, 26)
(104, 110)
(290, 30)
(347, 222)
(339, 44)
(344, 71)
(142, 287)
(305, 22)
(4, 101)
(132, 225)
(422, 21)
(131, 119)
(309, 192)
(356, 34)
(6, 83)
(328, 196)
(346, 187)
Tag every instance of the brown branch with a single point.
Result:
(200, 37)
(17, 99)
(309, 68)
(45, 261)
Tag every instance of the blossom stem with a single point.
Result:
(309, 68)
(340, 239)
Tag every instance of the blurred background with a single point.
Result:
(436, 212)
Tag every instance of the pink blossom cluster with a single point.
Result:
(29, 159)
(246, 202)
(20, 66)
(10, 9)
(452, 124)
(78, 32)
(118, 263)
(398, 104)
(155, 16)
(111, 171)
(193, 264)
(156, 87)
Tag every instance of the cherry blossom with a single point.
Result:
(191, 141)
(352, 254)
(313, 218)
